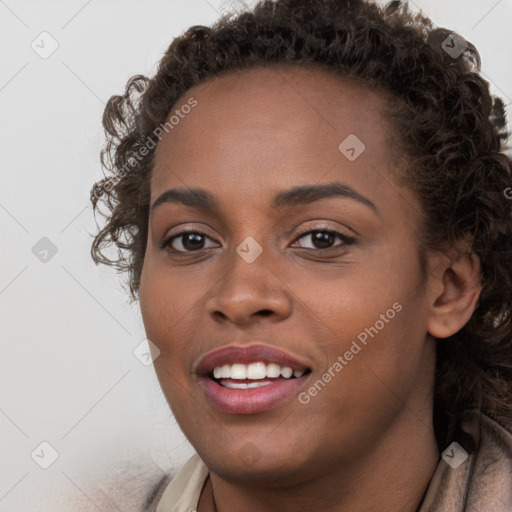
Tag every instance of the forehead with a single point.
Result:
(287, 120)
(291, 85)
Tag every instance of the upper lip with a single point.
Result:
(246, 354)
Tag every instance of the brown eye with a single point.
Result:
(190, 241)
(323, 239)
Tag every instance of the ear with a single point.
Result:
(454, 288)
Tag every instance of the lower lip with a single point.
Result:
(252, 400)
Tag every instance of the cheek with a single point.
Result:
(150, 301)
(172, 305)
(383, 362)
(168, 299)
(374, 318)
(161, 310)
(161, 317)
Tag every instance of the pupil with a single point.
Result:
(323, 239)
(191, 237)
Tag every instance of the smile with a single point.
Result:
(247, 379)
(242, 395)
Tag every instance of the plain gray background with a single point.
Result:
(69, 376)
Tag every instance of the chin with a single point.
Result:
(270, 470)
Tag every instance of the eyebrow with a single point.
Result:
(304, 194)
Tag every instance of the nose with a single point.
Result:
(246, 292)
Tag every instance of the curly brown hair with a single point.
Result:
(449, 140)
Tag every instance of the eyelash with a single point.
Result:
(347, 240)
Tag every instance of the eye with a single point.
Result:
(190, 241)
(324, 237)
(193, 241)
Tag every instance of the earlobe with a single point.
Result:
(455, 290)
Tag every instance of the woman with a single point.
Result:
(311, 202)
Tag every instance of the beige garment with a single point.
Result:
(481, 482)
(184, 490)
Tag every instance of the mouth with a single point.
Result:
(250, 379)
(250, 396)
(254, 375)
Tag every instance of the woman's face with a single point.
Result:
(351, 307)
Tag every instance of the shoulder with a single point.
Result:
(489, 485)
(496, 437)
(475, 467)
(155, 493)
(181, 491)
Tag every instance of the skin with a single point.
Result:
(365, 442)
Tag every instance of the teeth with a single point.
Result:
(226, 371)
(256, 371)
(243, 385)
(286, 372)
(239, 371)
(222, 372)
(273, 370)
